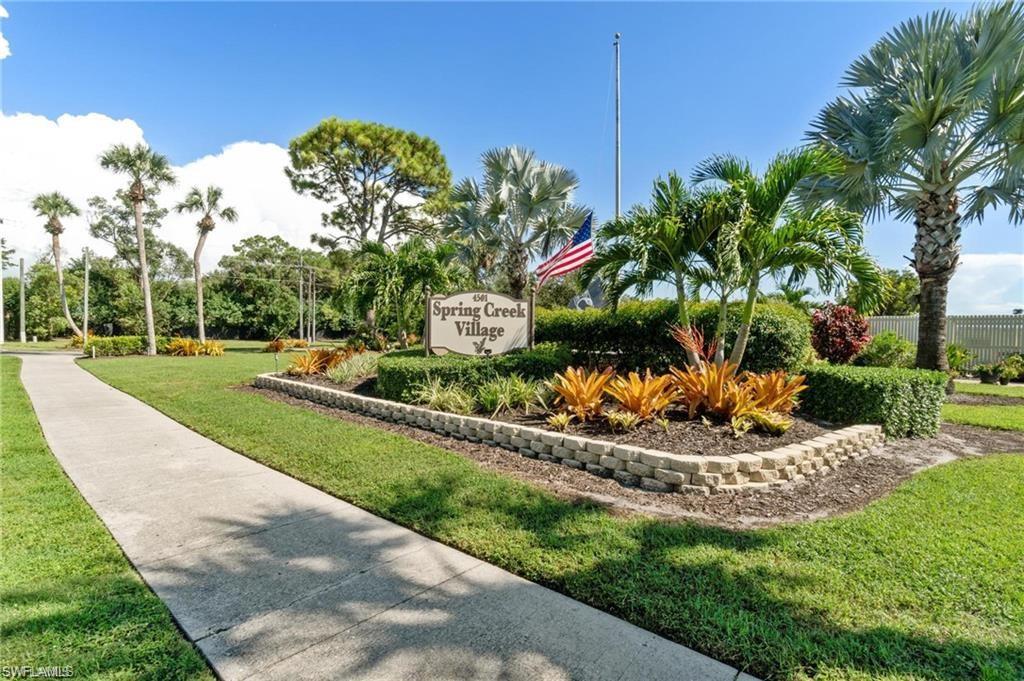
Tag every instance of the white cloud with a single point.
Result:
(987, 283)
(5, 47)
(42, 155)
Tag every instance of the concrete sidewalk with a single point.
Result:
(274, 579)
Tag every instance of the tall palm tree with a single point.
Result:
(208, 205)
(720, 269)
(53, 207)
(933, 131)
(785, 236)
(659, 243)
(147, 171)
(523, 209)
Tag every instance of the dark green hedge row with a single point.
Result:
(906, 402)
(636, 336)
(398, 373)
(119, 346)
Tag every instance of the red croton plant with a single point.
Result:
(838, 333)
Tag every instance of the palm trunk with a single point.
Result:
(936, 255)
(200, 316)
(60, 286)
(684, 317)
(723, 318)
(515, 270)
(740, 348)
(140, 235)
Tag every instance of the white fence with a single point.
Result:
(989, 337)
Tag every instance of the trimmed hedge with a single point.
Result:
(119, 346)
(636, 336)
(905, 402)
(399, 372)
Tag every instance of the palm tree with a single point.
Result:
(208, 205)
(522, 209)
(395, 280)
(53, 207)
(934, 132)
(795, 296)
(784, 236)
(720, 269)
(660, 243)
(147, 170)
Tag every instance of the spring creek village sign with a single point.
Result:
(477, 323)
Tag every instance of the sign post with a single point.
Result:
(478, 323)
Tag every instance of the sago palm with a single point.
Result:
(147, 171)
(933, 131)
(523, 207)
(659, 243)
(207, 204)
(53, 207)
(784, 236)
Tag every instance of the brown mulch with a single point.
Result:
(1002, 400)
(684, 436)
(848, 488)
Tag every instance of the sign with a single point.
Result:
(477, 323)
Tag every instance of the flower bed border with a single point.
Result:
(650, 469)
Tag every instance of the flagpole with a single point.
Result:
(618, 133)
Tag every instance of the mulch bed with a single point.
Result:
(683, 436)
(1001, 400)
(846, 489)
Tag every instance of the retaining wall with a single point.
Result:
(650, 469)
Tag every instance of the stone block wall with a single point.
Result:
(649, 469)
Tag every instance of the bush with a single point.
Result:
(887, 349)
(959, 358)
(115, 346)
(119, 346)
(838, 333)
(399, 372)
(906, 402)
(636, 336)
(447, 397)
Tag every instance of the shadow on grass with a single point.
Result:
(109, 625)
(686, 582)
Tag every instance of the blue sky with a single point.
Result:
(698, 79)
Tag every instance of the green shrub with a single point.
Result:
(119, 346)
(506, 392)
(636, 336)
(906, 402)
(356, 366)
(115, 346)
(887, 349)
(959, 358)
(440, 396)
(399, 372)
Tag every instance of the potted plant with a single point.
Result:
(987, 373)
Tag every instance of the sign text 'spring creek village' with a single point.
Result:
(475, 323)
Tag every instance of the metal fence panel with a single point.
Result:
(989, 337)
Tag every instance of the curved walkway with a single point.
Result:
(274, 579)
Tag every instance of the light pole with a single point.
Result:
(618, 133)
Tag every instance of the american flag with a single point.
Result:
(579, 250)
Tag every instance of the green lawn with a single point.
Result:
(68, 596)
(46, 345)
(1011, 390)
(927, 583)
(1004, 417)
